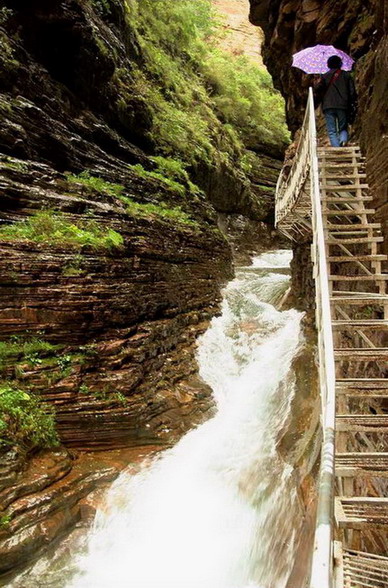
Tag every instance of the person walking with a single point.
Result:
(338, 102)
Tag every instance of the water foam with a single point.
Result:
(219, 509)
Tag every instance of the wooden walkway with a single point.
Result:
(359, 325)
(359, 309)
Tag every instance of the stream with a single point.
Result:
(220, 509)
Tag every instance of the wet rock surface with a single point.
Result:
(300, 445)
(53, 492)
(125, 324)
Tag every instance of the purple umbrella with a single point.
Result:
(313, 60)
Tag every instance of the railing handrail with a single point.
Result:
(322, 564)
(287, 195)
(286, 188)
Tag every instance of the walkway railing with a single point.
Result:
(289, 188)
(303, 179)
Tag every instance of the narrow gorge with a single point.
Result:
(159, 406)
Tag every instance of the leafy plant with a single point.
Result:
(110, 395)
(64, 362)
(5, 521)
(5, 14)
(95, 183)
(52, 228)
(102, 7)
(159, 210)
(24, 420)
(84, 389)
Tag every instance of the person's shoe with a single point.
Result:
(343, 143)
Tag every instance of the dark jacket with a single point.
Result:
(341, 93)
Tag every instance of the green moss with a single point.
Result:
(266, 188)
(102, 7)
(24, 420)
(167, 170)
(7, 54)
(20, 166)
(172, 173)
(5, 14)
(111, 396)
(52, 228)
(5, 522)
(5, 106)
(175, 169)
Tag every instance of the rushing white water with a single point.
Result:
(219, 510)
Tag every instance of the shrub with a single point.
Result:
(25, 421)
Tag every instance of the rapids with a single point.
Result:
(220, 509)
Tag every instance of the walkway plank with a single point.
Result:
(348, 258)
(349, 212)
(360, 278)
(343, 187)
(353, 227)
(351, 464)
(359, 354)
(356, 324)
(345, 199)
(362, 423)
(365, 300)
(360, 512)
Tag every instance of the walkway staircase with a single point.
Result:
(326, 199)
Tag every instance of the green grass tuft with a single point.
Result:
(28, 348)
(52, 228)
(95, 183)
(158, 210)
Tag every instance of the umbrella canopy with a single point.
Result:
(313, 60)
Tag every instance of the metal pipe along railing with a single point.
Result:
(287, 195)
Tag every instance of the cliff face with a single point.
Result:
(139, 306)
(359, 28)
(240, 38)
